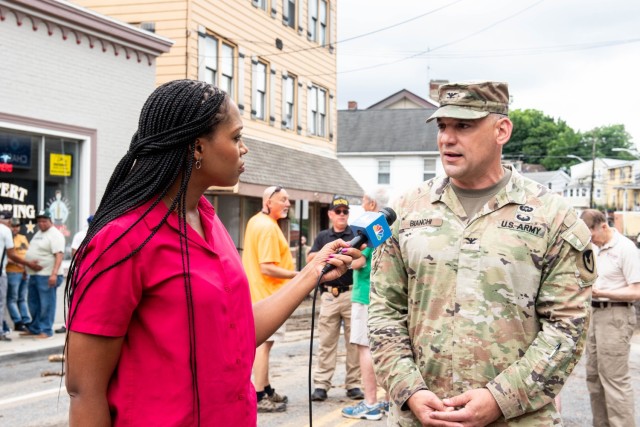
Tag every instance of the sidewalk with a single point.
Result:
(25, 348)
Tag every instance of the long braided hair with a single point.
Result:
(161, 153)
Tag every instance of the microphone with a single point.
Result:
(371, 228)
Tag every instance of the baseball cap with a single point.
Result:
(473, 100)
(15, 221)
(339, 201)
(6, 214)
(44, 214)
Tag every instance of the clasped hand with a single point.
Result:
(473, 408)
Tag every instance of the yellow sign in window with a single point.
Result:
(60, 164)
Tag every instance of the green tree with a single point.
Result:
(607, 138)
(536, 134)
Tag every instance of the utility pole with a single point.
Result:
(593, 171)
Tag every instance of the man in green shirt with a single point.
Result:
(369, 408)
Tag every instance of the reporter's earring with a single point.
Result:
(198, 164)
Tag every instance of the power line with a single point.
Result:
(539, 50)
(365, 34)
(435, 48)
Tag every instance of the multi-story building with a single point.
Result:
(277, 61)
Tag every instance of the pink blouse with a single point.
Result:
(143, 300)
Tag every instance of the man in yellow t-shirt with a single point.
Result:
(268, 263)
(17, 279)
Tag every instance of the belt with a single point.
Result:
(337, 290)
(606, 304)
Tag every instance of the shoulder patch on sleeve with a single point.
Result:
(577, 234)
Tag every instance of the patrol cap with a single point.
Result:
(473, 100)
(339, 201)
(15, 221)
(6, 215)
(44, 214)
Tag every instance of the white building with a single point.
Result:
(389, 143)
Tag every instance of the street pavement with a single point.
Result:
(289, 375)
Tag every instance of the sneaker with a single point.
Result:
(5, 338)
(267, 405)
(319, 395)
(61, 330)
(278, 398)
(20, 327)
(355, 394)
(384, 406)
(362, 412)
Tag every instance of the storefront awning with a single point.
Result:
(305, 176)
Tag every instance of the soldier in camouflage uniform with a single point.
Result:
(480, 300)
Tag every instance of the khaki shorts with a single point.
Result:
(278, 336)
(359, 329)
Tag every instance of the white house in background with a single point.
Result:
(578, 192)
(556, 181)
(389, 143)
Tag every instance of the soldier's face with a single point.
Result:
(469, 151)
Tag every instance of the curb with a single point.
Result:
(30, 354)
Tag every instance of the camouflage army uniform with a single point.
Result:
(500, 301)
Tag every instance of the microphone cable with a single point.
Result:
(313, 322)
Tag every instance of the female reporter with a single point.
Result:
(161, 327)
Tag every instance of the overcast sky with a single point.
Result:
(578, 60)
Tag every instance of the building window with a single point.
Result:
(428, 169)
(261, 4)
(384, 171)
(41, 172)
(288, 101)
(571, 192)
(313, 20)
(318, 21)
(317, 111)
(322, 23)
(217, 59)
(549, 185)
(289, 13)
(259, 90)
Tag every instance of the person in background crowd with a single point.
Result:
(161, 326)
(480, 298)
(335, 310)
(613, 322)
(17, 279)
(47, 249)
(79, 236)
(369, 408)
(267, 260)
(75, 244)
(7, 252)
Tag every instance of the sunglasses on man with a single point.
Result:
(342, 211)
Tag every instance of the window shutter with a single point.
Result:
(201, 52)
(285, 12)
(254, 86)
(300, 111)
(240, 81)
(272, 97)
(330, 116)
(300, 18)
(283, 122)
